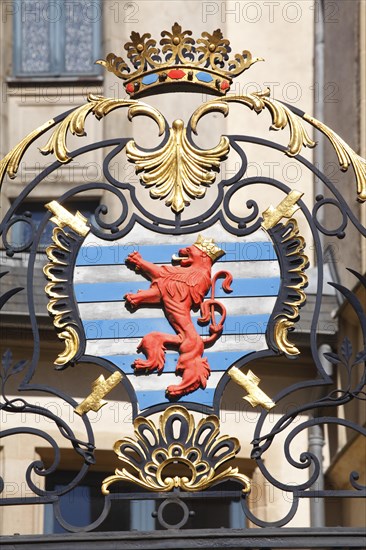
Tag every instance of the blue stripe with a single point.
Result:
(114, 292)
(120, 329)
(151, 398)
(218, 361)
(116, 254)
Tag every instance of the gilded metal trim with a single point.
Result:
(178, 170)
(75, 123)
(199, 448)
(63, 218)
(10, 163)
(100, 107)
(57, 254)
(101, 388)
(285, 209)
(346, 155)
(250, 383)
(294, 279)
(282, 116)
(181, 60)
(147, 457)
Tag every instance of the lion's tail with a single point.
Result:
(208, 308)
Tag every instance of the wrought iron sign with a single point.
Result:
(177, 299)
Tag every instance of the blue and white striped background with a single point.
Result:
(101, 279)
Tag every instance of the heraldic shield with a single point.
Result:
(184, 281)
(192, 307)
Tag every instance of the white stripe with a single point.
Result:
(231, 342)
(151, 382)
(117, 310)
(141, 236)
(122, 274)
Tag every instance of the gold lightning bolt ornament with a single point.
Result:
(63, 217)
(101, 387)
(285, 209)
(250, 382)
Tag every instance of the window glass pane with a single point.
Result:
(22, 231)
(35, 36)
(56, 37)
(75, 507)
(79, 34)
(84, 504)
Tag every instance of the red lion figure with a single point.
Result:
(179, 289)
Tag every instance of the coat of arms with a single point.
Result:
(170, 307)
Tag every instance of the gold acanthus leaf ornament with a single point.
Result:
(74, 122)
(10, 163)
(99, 106)
(282, 117)
(149, 459)
(200, 162)
(178, 171)
(346, 155)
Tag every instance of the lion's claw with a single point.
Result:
(194, 376)
(179, 390)
(134, 259)
(145, 365)
(131, 301)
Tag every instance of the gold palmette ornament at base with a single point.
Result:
(154, 458)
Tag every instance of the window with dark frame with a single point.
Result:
(84, 504)
(57, 38)
(35, 211)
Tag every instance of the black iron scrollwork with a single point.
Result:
(131, 211)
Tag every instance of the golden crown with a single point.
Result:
(193, 65)
(209, 247)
